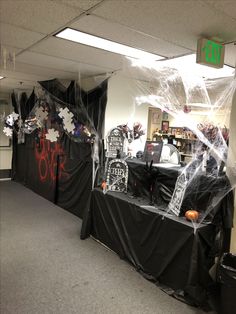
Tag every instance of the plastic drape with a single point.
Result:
(202, 106)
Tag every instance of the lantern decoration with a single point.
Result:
(192, 215)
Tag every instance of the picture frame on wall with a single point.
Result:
(165, 115)
(156, 117)
(165, 126)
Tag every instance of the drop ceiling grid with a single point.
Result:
(113, 31)
(55, 63)
(180, 22)
(38, 16)
(228, 7)
(81, 4)
(10, 83)
(17, 37)
(78, 53)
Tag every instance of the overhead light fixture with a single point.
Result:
(105, 44)
(2, 77)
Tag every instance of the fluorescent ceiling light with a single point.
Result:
(1, 77)
(188, 64)
(105, 44)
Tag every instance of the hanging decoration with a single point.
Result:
(67, 117)
(7, 131)
(12, 118)
(52, 135)
(41, 114)
(7, 58)
(131, 134)
(30, 125)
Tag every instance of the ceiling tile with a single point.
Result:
(181, 22)
(35, 72)
(82, 4)
(80, 53)
(62, 64)
(17, 37)
(31, 74)
(40, 16)
(228, 7)
(110, 30)
(9, 84)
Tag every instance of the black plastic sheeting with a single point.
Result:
(227, 276)
(89, 106)
(53, 174)
(166, 250)
(26, 104)
(201, 197)
(60, 171)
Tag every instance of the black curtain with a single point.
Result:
(61, 172)
(89, 107)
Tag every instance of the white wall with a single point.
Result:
(231, 166)
(121, 107)
(5, 152)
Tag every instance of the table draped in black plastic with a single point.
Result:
(164, 248)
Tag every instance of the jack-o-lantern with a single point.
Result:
(192, 215)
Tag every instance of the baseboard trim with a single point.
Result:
(5, 173)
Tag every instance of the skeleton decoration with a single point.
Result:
(117, 175)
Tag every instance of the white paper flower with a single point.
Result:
(63, 112)
(7, 131)
(15, 116)
(69, 126)
(52, 135)
(41, 114)
(66, 114)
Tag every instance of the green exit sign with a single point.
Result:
(210, 53)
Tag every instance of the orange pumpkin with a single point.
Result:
(104, 185)
(192, 215)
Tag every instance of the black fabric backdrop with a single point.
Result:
(166, 250)
(200, 195)
(61, 172)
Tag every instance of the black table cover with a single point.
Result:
(164, 248)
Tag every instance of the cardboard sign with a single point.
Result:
(115, 142)
(152, 151)
(178, 195)
(117, 175)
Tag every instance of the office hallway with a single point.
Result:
(46, 268)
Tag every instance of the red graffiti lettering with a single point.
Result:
(49, 167)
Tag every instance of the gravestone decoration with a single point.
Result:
(115, 143)
(117, 175)
(178, 195)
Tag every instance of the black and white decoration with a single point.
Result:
(115, 143)
(178, 194)
(117, 176)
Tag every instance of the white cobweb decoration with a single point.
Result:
(7, 131)
(52, 135)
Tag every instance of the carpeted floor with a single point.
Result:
(46, 268)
